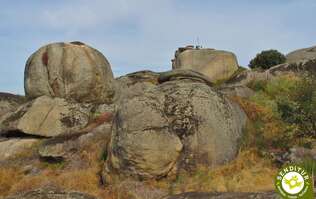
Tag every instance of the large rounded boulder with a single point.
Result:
(69, 70)
(181, 122)
(218, 65)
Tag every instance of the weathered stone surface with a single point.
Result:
(248, 76)
(228, 195)
(301, 55)
(134, 84)
(9, 102)
(44, 193)
(69, 70)
(184, 74)
(64, 147)
(178, 121)
(13, 148)
(47, 117)
(218, 65)
(240, 91)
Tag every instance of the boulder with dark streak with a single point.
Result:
(73, 70)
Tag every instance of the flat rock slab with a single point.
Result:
(47, 117)
(184, 74)
(12, 148)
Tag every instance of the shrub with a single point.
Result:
(282, 112)
(267, 59)
(299, 107)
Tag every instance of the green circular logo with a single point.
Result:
(293, 181)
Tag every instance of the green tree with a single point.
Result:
(267, 59)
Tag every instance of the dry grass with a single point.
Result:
(264, 128)
(8, 177)
(247, 173)
(86, 181)
(71, 179)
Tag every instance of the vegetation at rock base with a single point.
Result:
(249, 172)
(280, 115)
(14, 180)
(290, 102)
(267, 59)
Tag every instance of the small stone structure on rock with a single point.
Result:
(218, 65)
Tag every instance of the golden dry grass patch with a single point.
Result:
(247, 173)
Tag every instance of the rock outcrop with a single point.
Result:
(181, 121)
(47, 117)
(144, 125)
(239, 90)
(218, 65)
(69, 70)
(248, 76)
(11, 149)
(9, 102)
(301, 55)
(135, 84)
(63, 147)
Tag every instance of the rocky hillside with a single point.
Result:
(205, 129)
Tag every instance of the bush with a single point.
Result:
(267, 59)
(282, 112)
(299, 107)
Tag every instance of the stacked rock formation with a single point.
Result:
(162, 122)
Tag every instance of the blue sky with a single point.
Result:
(143, 34)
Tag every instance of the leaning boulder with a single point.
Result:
(180, 122)
(218, 65)
(69, 70)
(47, 117)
